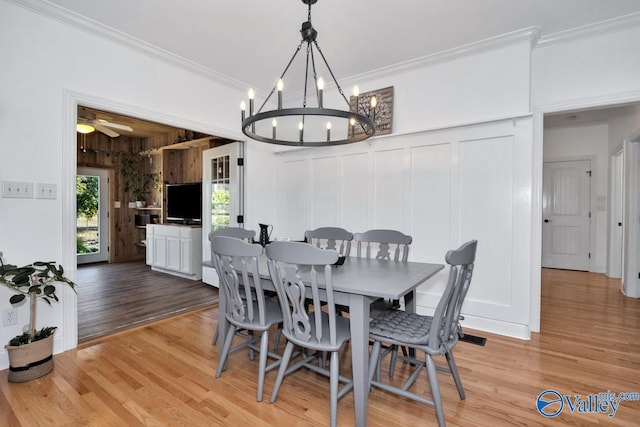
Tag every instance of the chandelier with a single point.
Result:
(312, 124)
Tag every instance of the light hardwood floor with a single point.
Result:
(164, 374)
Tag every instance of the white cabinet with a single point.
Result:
(175, 249)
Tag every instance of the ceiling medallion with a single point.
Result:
(309, 125)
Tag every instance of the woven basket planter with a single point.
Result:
(30, 361)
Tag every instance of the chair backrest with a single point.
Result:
(236, 263)
(329, 238)
(445, 326)
(237, 232)
(385, 241)
(301, 273)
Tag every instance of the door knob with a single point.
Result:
(619, 224)
(547, 220)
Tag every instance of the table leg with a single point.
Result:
(359, 317)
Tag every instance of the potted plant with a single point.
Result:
(31, 354)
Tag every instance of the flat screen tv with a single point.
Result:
(184, 203)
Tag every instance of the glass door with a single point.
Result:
(92, 215)
(223, 196)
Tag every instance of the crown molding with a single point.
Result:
(88, 25)
(529, 34)
(610, 25)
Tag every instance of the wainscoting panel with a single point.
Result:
(324, 191)
(443, 187)
(355, 192)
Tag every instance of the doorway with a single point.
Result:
(92, 215)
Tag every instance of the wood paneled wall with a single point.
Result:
(99, 151)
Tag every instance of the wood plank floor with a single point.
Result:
(164, 374)
(114, 297)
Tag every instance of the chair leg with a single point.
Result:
(394, 357)
(264, 349)
(252, 356)
(334, 372)
(454, 372)
(373, 361)
(284, 364)
(224, 355)
(276, 342)
(214, 341)
(435, 390)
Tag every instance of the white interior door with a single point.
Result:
(566, 200)
(222, 197)
(92, 229)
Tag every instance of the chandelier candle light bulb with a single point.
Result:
(280, 86)
(300, 128)
(243, 108)
(374, 103)
(328, 131)
(320, 90)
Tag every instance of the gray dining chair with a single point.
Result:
(434, 335)
(300, 270)
(238, 233)
(335, 238)
(246, 307)
(389, 245)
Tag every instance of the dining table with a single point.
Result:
(357, 283)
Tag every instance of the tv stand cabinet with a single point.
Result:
(175, 249)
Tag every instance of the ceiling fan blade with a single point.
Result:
(114, 125)
(105, 130)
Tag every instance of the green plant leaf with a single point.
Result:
(17, 298)
(49, 290)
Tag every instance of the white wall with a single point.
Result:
(587, 142)
(46, 66)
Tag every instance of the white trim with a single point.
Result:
(603, 27)
(105, 32)
(278, 149)
(492, 326)
(69, 298)
(71, 100)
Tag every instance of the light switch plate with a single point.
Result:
(46, 191)
(17, 190)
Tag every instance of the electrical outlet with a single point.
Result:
(9, 317)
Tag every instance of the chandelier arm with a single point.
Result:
(281, 76)
(332, 75)
(306, 76)
(315, 76)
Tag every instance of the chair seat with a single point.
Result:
(397, 325)
(273, 315)
(343, 334)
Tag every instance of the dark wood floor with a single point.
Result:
(114, 297)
